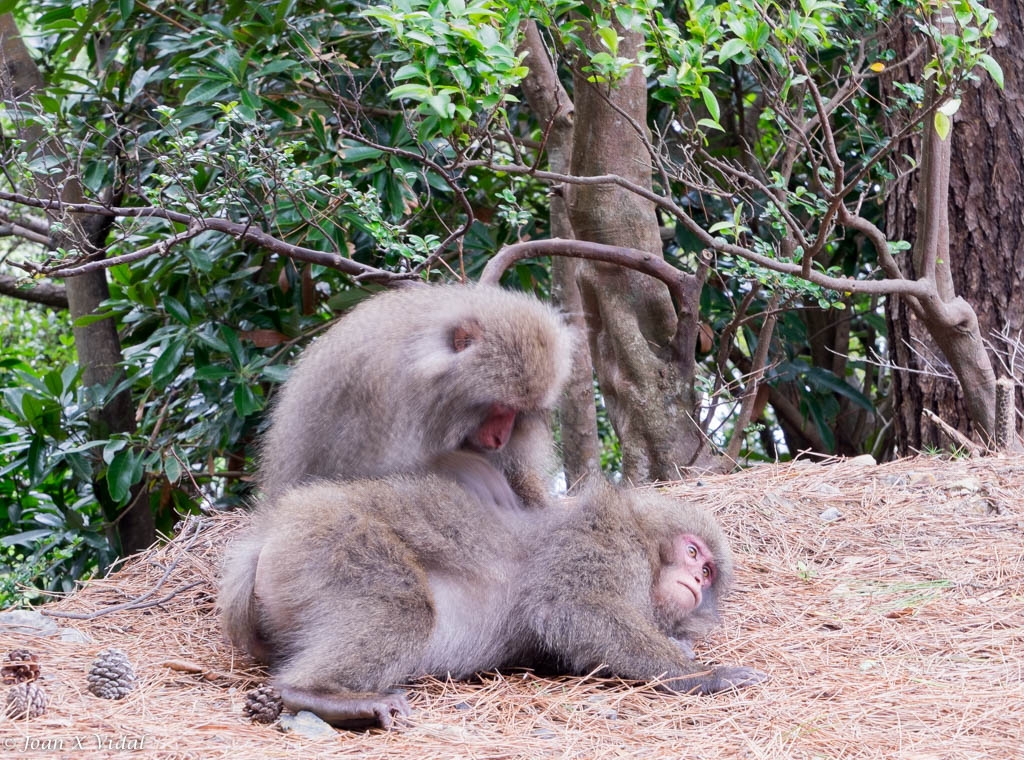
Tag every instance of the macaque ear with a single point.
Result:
(465, 335)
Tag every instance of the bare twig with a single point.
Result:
(144, 600)
(958, 438)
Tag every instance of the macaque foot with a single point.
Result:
(349, 710)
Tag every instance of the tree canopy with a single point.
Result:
(211, 182)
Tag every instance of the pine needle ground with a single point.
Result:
(894, 631)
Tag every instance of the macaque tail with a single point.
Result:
(237, 599)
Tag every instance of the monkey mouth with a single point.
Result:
(695, 593)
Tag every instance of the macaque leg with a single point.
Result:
(367, 633)
(348, 710)
(346, 670)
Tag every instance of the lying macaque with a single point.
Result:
(351, 589)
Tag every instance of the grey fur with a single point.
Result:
(383, 392)
(360, 586)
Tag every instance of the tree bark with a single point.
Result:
(42, 293)
(983, 266)
(97, 344)
(986, 192)
(577, 414)
(647, 381)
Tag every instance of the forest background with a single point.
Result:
(818, 205)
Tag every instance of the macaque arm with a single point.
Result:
(477, 476)
(348, 709)
(527, 460)
(628, 645)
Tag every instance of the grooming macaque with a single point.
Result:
(350, 589)
(419, 372)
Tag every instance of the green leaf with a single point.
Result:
(708, 124)
(90, 319)
(276, 373)
(356, 153)
(177, 310)
(943, 125)
(734, 48)
(233, 345)
(414, 91)
(166, 365)
(123, 472)
(111, 448)
(35, 461)
(409, 71)
(822, 378)
(214, 372)
(610, 38)
(711, 103)
(172, 468)
(991, 65)
(205, 91)
(54, 382)
(125, 7)
(26, 538)
(246, 402)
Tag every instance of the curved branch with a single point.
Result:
(642, 261)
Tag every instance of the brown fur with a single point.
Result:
(360, 586)
(409, 375)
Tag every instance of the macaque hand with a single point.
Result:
(717, 679)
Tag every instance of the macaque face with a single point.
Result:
(493, 433)
(689, 571)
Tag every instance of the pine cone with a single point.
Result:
(111, 675)
(25, 700)
(262, 705)
(21, 666)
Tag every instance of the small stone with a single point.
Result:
(830, 515)
(27, 623)
(306, 724)
(864, 460)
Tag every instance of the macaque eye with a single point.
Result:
(691, 551)
(706, 572)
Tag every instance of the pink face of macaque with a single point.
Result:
(691, 570)
(494, 432)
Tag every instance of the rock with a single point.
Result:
(830, 515)
(306, 724)
(27, 623)
(864, 460)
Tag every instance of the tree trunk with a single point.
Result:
(97, 344)
(986, 193)
(985, 260)
(577, 414)
(648, 385)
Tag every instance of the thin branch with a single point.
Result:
(759, 366)
(144, 600)
(958, 438)
(239, 230)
